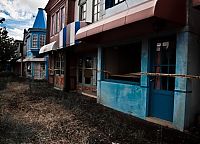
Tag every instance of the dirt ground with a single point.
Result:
(34, 112)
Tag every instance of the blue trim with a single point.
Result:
(64, 37)
(77, 27)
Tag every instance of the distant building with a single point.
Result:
(34, 39)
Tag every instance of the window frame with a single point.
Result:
(97, 14)
(42, 40)
(59, 64)
(62, 17)
(82, 11)
(116, 2)
(34, 41)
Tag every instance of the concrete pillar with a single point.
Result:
(144, 78)
(99, 73)
(181, 91)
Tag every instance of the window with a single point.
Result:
(123, 62)
(83, 11)
(111, 3)
(34, 41)
(57, 22)
(87, 70)
(59, 67)
(53, 25)
(62, 17)
(42, 40)
(118, 1)
(164, 61)
(96, 10)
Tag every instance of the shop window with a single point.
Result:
(123, 63)
(59, 66)
(87, 70)
(34, 41)
(96, 10)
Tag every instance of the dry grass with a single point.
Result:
(44, 115)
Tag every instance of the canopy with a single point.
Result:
(49, 47)
(170, 10)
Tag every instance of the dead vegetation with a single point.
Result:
(44, 115)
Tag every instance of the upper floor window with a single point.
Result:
(62, 17)
(111, 3)
(118, 1)
(83, 11)
(42, 40)
(96, 10)
(57, 22)
(34, 41)
(53, 25)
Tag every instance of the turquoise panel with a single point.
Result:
(124, 97)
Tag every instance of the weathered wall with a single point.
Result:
(123, 97)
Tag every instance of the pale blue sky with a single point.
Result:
(19, 15)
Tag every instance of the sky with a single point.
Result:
(19, 15)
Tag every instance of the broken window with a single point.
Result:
(123, 62)
(87, 70)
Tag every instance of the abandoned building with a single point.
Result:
(36, 65)
(139, 57)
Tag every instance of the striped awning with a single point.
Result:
(49, 47)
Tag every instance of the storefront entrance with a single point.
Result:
(163, 60)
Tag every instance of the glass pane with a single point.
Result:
(95, 9)
(87, 80)
(88, 62)
(98, 7)
(80, 75)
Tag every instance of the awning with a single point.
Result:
(34, 60)
(170, 10)
(49, 47)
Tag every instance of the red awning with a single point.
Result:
(170, 10)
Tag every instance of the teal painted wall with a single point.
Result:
(123, 97)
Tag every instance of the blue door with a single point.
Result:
(163, 58)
